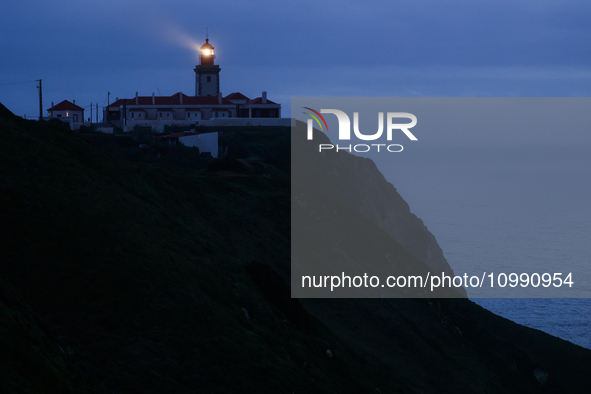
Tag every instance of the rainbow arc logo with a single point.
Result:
(316, 118)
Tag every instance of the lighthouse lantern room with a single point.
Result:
(207, 74)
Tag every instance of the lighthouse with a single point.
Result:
(207, 74)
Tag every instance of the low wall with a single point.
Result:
(245, 122)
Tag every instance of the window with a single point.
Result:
(188, 115)
(132, 115)
(208, 78)
(272, 115)
(257, 113)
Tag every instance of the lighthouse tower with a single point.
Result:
(207, 74)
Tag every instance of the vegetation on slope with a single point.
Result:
(123, 277)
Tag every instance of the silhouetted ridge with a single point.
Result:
(5, 113)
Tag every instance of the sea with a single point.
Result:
(498, 207)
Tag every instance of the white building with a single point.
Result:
(67, 112)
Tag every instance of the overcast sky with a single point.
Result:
(84, 49)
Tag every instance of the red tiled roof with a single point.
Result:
(175, 99)
(259, 100)
(65, 106)
(236, 96)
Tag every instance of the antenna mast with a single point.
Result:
(40, 100)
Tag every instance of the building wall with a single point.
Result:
(237, 122)
(207, 142)
(260, 111)
(265, 112)
(167, 115)
(74, 118)
(207, 80)
(131, 115)
(246, 122)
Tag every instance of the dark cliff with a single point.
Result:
(340, 180)
(119, 277)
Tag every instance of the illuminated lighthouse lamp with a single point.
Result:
(207, 54)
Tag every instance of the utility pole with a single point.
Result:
(91, 114)
(40, 100)
(96, 112)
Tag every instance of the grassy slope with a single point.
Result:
(122, 277)
(141, 272)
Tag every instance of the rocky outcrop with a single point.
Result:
(379, 201)
(356, 183)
